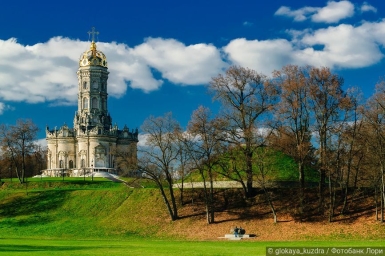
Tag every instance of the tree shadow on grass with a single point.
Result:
(34, 203)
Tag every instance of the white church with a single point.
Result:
(93, 144)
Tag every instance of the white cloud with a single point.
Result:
(142, 137)
(2, 107)
(340, 49)
(263, 56)
(181, 64)
(342, 46)
(333, 12)
(42, 143)
(366, 7)
(298, 15)
(47, 71)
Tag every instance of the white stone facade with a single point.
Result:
(92, 143)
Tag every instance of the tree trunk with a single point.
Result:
(270, 204)
(301, 188)
(382, 194)
(381, 207)
(181, 192)
(207, 198)
(212, 208)
(321, 189)
(172, 215)
(376, 201)
(346, 191)
(173, 202)
(249, 181)
(332, 195)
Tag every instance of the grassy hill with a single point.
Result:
(101, 209)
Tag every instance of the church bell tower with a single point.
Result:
(92, 81)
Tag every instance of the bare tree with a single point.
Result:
(353, 145)
(375, 117)
(293, 119)
(184, 164)
(157, 159)
(326, 98)
(246, 97)
(264, 161)
(125, 160)
(18, 141)
(204, 146)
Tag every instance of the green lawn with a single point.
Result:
(78, 217)
(157, 247)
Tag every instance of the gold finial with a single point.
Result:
(93, 32)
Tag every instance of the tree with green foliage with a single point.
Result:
(246, 98)
(17, 142)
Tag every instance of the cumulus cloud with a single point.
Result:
(47, 71)
(263, 56)
(366, 7)
(362, 51)
(342, 46)
(181, 64)
(298, 15)
(333, 12)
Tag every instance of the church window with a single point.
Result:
(84, 85)
(61, 164)
(95, 85)
(71, 164)
(82, 163)
(85, 103)
(94, 103)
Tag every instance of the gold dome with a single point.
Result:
(93, 57)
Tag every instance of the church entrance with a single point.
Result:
(100, 163)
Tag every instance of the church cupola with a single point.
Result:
(93, 57)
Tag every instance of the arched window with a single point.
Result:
(71, 164)
(84, 85)
(94, 103)
(82, 163)
(61, 164)
(85, 103)
(95, 85)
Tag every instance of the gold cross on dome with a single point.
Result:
(93, 32)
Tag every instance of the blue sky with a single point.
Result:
(161, 54)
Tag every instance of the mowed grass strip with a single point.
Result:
(147, 247)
